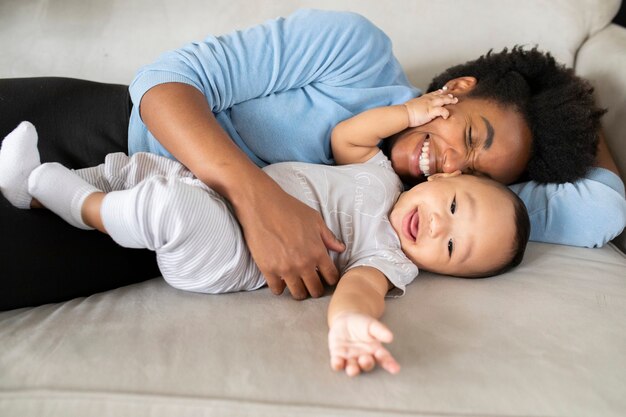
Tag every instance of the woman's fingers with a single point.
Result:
(296, 286)
(275, 284)
(313, 284)
(325, 267)
(286, 241)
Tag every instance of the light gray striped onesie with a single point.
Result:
(156, 203)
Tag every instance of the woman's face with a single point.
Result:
(479, 137)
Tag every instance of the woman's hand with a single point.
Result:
(288, 240)
(355, 343)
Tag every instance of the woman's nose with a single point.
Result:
(453, 161)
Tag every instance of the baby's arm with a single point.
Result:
(355, 337)
(356, 139)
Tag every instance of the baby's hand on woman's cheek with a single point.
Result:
(423, 109)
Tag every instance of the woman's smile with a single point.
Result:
(424, 158)
(417, 161)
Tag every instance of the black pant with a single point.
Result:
(42, 258)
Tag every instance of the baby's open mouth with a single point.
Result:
(411, 224)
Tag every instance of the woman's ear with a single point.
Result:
(441, 175)
(461, 85)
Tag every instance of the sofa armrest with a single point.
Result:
(601, 60)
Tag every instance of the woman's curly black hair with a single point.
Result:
(557, 105)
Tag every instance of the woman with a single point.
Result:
(229, 105)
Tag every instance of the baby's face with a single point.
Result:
(460, 225)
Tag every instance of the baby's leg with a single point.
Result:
(199, 244)
(18, 158)
(121, 172)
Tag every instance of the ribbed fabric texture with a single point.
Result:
(121, 172)
(198, 242)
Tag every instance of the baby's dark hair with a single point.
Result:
(557, 105)
(520, 237)
(520, 240)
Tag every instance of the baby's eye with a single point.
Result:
(450, 247)
(453, 205)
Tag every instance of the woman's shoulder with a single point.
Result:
(357, 24)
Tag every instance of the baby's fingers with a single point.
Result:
(380, 332)
(441, 99)
(439, 112)
(367, 362)
(337, 363)
(386, 361)
(352, 367)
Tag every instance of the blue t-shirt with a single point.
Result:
(279, 88)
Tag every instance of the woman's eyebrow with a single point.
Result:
(490, 132)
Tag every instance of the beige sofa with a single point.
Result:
(547, 339)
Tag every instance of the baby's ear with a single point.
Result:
(440, 175)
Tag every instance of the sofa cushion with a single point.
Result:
(545, 339)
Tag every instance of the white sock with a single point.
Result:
(61, 191)
(18, 157)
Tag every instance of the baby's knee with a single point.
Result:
(168, 205)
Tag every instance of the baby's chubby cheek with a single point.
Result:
(395, 219)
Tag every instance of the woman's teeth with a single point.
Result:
(424, 158)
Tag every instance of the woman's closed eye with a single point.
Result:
(470, 145)
(470, 141)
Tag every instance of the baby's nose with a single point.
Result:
(436, 225)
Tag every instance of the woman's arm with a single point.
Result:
(589, 212)
(355, 337)
(287, 239)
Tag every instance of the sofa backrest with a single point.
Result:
(428, 36)
(602, 60)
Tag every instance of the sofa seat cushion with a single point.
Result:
(544, 339)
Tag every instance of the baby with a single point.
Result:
(453, 224)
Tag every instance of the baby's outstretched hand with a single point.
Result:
(425, 108)
(355, 343)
